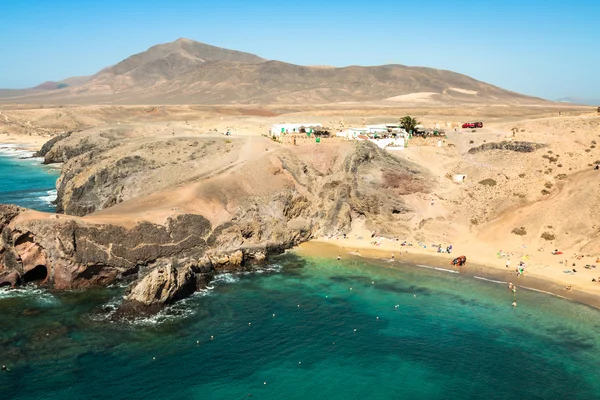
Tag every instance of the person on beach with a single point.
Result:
(508, 263)
(393, 258)
(514, 303)
(339, 258)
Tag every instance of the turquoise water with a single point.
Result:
(438, 336)
(25, 182)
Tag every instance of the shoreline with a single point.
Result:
(474, 268)
(24, 142)
(481, 263)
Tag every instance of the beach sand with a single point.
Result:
(24, 142)
(549, 280)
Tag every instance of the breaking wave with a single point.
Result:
(50, 197)
(40, 295)
(13, 150)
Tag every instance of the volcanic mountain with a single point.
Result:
(189, 72)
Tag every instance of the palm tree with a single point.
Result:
(409, 123)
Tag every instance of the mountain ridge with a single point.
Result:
(189, 72)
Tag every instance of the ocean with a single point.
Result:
(301, 328)
(306, 328)
(26, 182)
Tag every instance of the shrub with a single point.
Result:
(559, 165)
(520, 231)
(550, 158)
(472, 141)
(548, 185)
(488, 182)
(561, 176)
(548, 236)
(474, 221)
(545, 192)
(521, 175)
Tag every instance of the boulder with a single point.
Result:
(164, 285)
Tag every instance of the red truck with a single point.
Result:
(473, 125)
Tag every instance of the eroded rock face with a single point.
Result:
(78, 255)
(10, 278)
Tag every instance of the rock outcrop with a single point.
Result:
(520, 147)
(293, 196)
(46, 147)
(164, 285)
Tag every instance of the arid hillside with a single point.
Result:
(188, 72)
(167, 183)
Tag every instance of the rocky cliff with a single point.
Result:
(272, 202)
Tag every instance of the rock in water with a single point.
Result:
(164, 285)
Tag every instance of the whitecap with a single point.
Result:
(225, 278)
(50, 197)
(40, 295)
(10, 150)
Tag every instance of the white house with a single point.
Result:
(382, 128)
(390, 144)
(352, 133)
(278, 129)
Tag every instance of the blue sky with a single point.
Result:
(544, 48)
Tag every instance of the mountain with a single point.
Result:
(189, 72)
(579, 100)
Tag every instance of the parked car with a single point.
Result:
(472, 125)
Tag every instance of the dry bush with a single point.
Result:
(548, 236)
(488, 182)
(520, 231)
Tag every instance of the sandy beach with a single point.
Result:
(536, 277)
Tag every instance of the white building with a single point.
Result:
(382, 128)
(352, 133)
(278, 129)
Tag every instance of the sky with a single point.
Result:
(549, 49)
